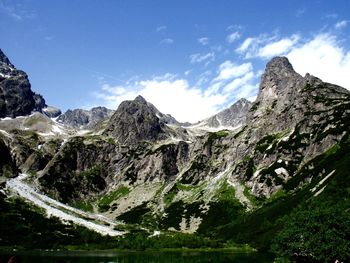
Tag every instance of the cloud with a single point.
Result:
(185, 101)
(267, 46)
(278, 47)
(341, 24)
(239, 82)
(233, 37)
(203, 41)
(324, 57)
(16, 12)
(199, 58)
(166, 94)
(229, 70)
(246, 44)
(161, 28)
(331, 16)
(167, 41)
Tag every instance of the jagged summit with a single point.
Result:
(278, 74)
(134, 121)
(233, 117)
(4, 59)
(279, 64)
(80, 118)
(16, 95)
(140, 99)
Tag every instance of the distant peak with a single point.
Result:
(4, 59)
(242, 101)
(139, 98)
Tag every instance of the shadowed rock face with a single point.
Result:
(135, 121)
(16, 96)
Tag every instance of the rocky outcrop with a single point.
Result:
(8, 166)
(16, 96)
(233, 116)
(135, 121)
(80, 118)
(51, 112)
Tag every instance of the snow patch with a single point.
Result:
(322, 181)
(281, 171)
(64, 212)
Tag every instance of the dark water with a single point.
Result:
(134, 257)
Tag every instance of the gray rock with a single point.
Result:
(80, 118)
(232, 117)
(135, 121)
(51, 112)
(16, 96)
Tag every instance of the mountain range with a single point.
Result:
(238, 176)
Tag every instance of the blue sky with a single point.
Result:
(190, 58)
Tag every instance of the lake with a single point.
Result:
(133, 257)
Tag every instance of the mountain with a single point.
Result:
(80, 118)
(287, 156)
(136, 121)
(16, 96)
(232, 117)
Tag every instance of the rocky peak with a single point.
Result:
(140, 99)
(233, 116)
(279, 76)
(80, 118)
(134, 121)
(4, 59)
(279, 83)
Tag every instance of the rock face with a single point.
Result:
(51, 112)
(135, 121)
(79, 118)
(234, 116)
(16, 96)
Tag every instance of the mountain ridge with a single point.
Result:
(156, 175)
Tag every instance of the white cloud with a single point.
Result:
(245, 45)
(168, 41)
(203, 41)
(229, 70)
(267, 46)
(167, 94)
(278, 47)
(233, 37)
(199, 58)
(239, 82)
(324, 57)
(341, 24)
(16, 12)
(187, 102)
(161, 28)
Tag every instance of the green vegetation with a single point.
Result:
(85, 205)
(91, 173)
(135, 215)
(255, 106)
(107, 199)
(24, 226)
(316, 232)
(198, 165)
(255, 201)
